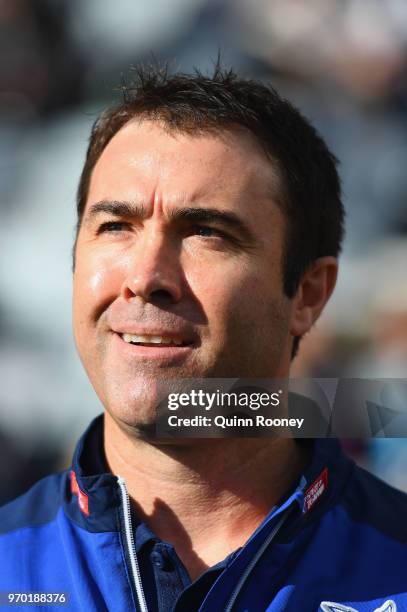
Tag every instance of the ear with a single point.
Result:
(313, 292)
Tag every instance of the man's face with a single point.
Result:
(180, 252)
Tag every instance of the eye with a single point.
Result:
(206, 231)
(112, 226)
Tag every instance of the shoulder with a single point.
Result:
(38, 506)
(369, 500)
(32, 537)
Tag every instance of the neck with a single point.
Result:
(232, 483)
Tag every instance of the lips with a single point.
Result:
(160, 339)
(153, 340)
(164, 349)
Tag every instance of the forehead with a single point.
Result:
(144, 156)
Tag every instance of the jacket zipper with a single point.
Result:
(128, 530)
(256, 558)
(135, 568)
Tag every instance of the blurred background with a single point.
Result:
(342, 62)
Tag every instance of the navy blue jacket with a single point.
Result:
(337, 543)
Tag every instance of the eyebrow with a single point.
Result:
(117, 208)
(197, 215)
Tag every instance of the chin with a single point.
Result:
(133, 411)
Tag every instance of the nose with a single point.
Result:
(154, 272)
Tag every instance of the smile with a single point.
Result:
(146, 340)
(165, 350)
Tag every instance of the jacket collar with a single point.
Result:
(92, 498)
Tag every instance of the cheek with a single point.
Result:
(230, 293)
(97, 282)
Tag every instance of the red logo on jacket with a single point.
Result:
(314, 492)
(82, 497)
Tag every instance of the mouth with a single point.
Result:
(154, 341)
(165, 349)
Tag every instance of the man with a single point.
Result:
(209, 226)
